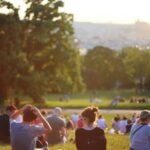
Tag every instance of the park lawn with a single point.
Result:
(114, 142)
(81, 100)
(82, 103)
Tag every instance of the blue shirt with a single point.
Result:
(141, 139)
(23, 135)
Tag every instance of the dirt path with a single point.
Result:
(104, 111)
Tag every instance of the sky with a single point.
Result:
(105, 11)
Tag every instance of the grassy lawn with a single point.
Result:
(82, 100)
(114, 142)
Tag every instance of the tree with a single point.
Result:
(12, 60)
(42, 48)
(101, 68)
(136, 64)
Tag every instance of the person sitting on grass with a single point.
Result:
(23, 135)
(101, 122)
(116, 125)
(58, 124)
(140, 133)
(90, 137)
(5, 123)
(123, 123)
(129, 126)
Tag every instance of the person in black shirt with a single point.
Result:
(90, 137)
(5, 124)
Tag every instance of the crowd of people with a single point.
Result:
(139, 100)
(29, 128)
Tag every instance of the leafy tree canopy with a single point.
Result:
(37, 52)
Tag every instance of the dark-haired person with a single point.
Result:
(129, 126)
(116, 124)
(5, 124)
(23, 134)
(140, 133)
(90, 137)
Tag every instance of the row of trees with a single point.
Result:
(106, 68)
(38, 55)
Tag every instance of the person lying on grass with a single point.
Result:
(23, 135)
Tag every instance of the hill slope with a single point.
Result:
(115, 36)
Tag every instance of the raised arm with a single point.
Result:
(19, 111)
(44, 121)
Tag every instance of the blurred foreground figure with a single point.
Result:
(58, 134)
(90, 137)
(140, 133)
(23, 135)
(5, 124)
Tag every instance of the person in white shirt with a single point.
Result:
(101, 122)
(116, 124)
(123, 124)
(74, 118)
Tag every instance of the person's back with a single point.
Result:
(5, 124)
(4, 129)
(141, 139)
(123, 124)
(129, 126)
(57, 123)
(101, 123)
(23, 136)
(90, 139)
(116, 124)
(140, 133)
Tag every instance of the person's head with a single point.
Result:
(116, 119)
(145, 117)
(89, 115)
(134, 115)
(124, 118)
(44, 113)
(10, 109)
(29, 115)
(57, 111)
(129, 121)
(100, 116)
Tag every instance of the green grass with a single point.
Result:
(81, 100)
(116, 142)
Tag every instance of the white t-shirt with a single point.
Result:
(101, 123)
(123, 124)
(116, 125)
(74, 118)
(19, 119)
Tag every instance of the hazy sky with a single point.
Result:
(117, 11)
(113, 11)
